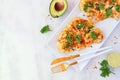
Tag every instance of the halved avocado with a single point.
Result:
(58, 8)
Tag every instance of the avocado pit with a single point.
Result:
(59, 6)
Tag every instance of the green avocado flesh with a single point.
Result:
(58, 8)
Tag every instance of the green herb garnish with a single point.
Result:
(101, 6)
(104, 68)
(78, 38)
(87, 5)
(90, 4)
(90, 27)
(80, 25)
(69, 41)
(117, 7)
(93, 35)
(112, 0)
(108, 12)
(45, 29)
(86, 31)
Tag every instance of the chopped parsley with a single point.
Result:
(78, 38)
(86, 31)
(117, 7)
(108, 12)
(90, 27)
(45, 29)
(80, 25)
(69, 40)
(90, 4)
(93, 35)
(112, 0)
(105, 68)
(87, 5)
(101, 6)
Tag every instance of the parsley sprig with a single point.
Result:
(45, 29)
(80, 25)
(90, 26)
(117, 7)
(69, 40)
(112, 0)
(93, 35)
(101, 6)
(108, 12)
(88, 5)
(78, 38)
(105, 68)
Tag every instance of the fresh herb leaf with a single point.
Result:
(85, 7)
(90, 27)
(78, 38)
(112, 0)
(104, 63)
(104, 68)
(108, 12)
(86, 31)
(93, 35)
(69, 40)
(101, 6)
(117, 7)
(81, 25)
(45, 29)
(88, 4)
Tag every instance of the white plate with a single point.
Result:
(107, 26)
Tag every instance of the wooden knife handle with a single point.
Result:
(74, 56)
(73, 63)
(64, 59)
(71, 57)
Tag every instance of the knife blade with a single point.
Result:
(58, 60)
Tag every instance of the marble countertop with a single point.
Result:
(23, 51)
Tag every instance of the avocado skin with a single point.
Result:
(52, 11)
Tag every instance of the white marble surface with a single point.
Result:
(23, 51)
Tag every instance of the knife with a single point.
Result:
(62, 59)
